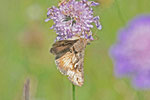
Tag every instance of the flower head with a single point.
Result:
(73, 18)
(131, 53)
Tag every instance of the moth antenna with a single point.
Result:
(96, 37)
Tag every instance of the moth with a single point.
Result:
(69, 58)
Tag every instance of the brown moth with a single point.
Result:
(69, 58)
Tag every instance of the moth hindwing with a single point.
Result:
(69, 59)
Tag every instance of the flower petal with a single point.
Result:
(92, 3)
(46, 20)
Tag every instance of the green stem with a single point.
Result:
(73, 92)
(140, 96)
(139, 5)
(119, 12)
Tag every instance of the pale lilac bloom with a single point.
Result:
(131, 53)
(73, 18)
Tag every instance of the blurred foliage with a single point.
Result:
(25, 40)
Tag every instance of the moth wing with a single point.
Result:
(71, 64)
(62, 46)
(65, 62)
(77, 77)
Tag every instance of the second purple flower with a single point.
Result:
(131, 53)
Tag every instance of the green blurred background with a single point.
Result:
(25, 40)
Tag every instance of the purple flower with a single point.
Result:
(73, 18)
(131, 53)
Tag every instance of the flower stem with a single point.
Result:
(73, 92)
(139, 5)
(119, 12)
(140, 96)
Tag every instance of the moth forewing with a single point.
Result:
(61, 47)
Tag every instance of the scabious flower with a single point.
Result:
(131, 53)
(73, 18)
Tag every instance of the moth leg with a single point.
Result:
(77, 58)
(74, 50)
